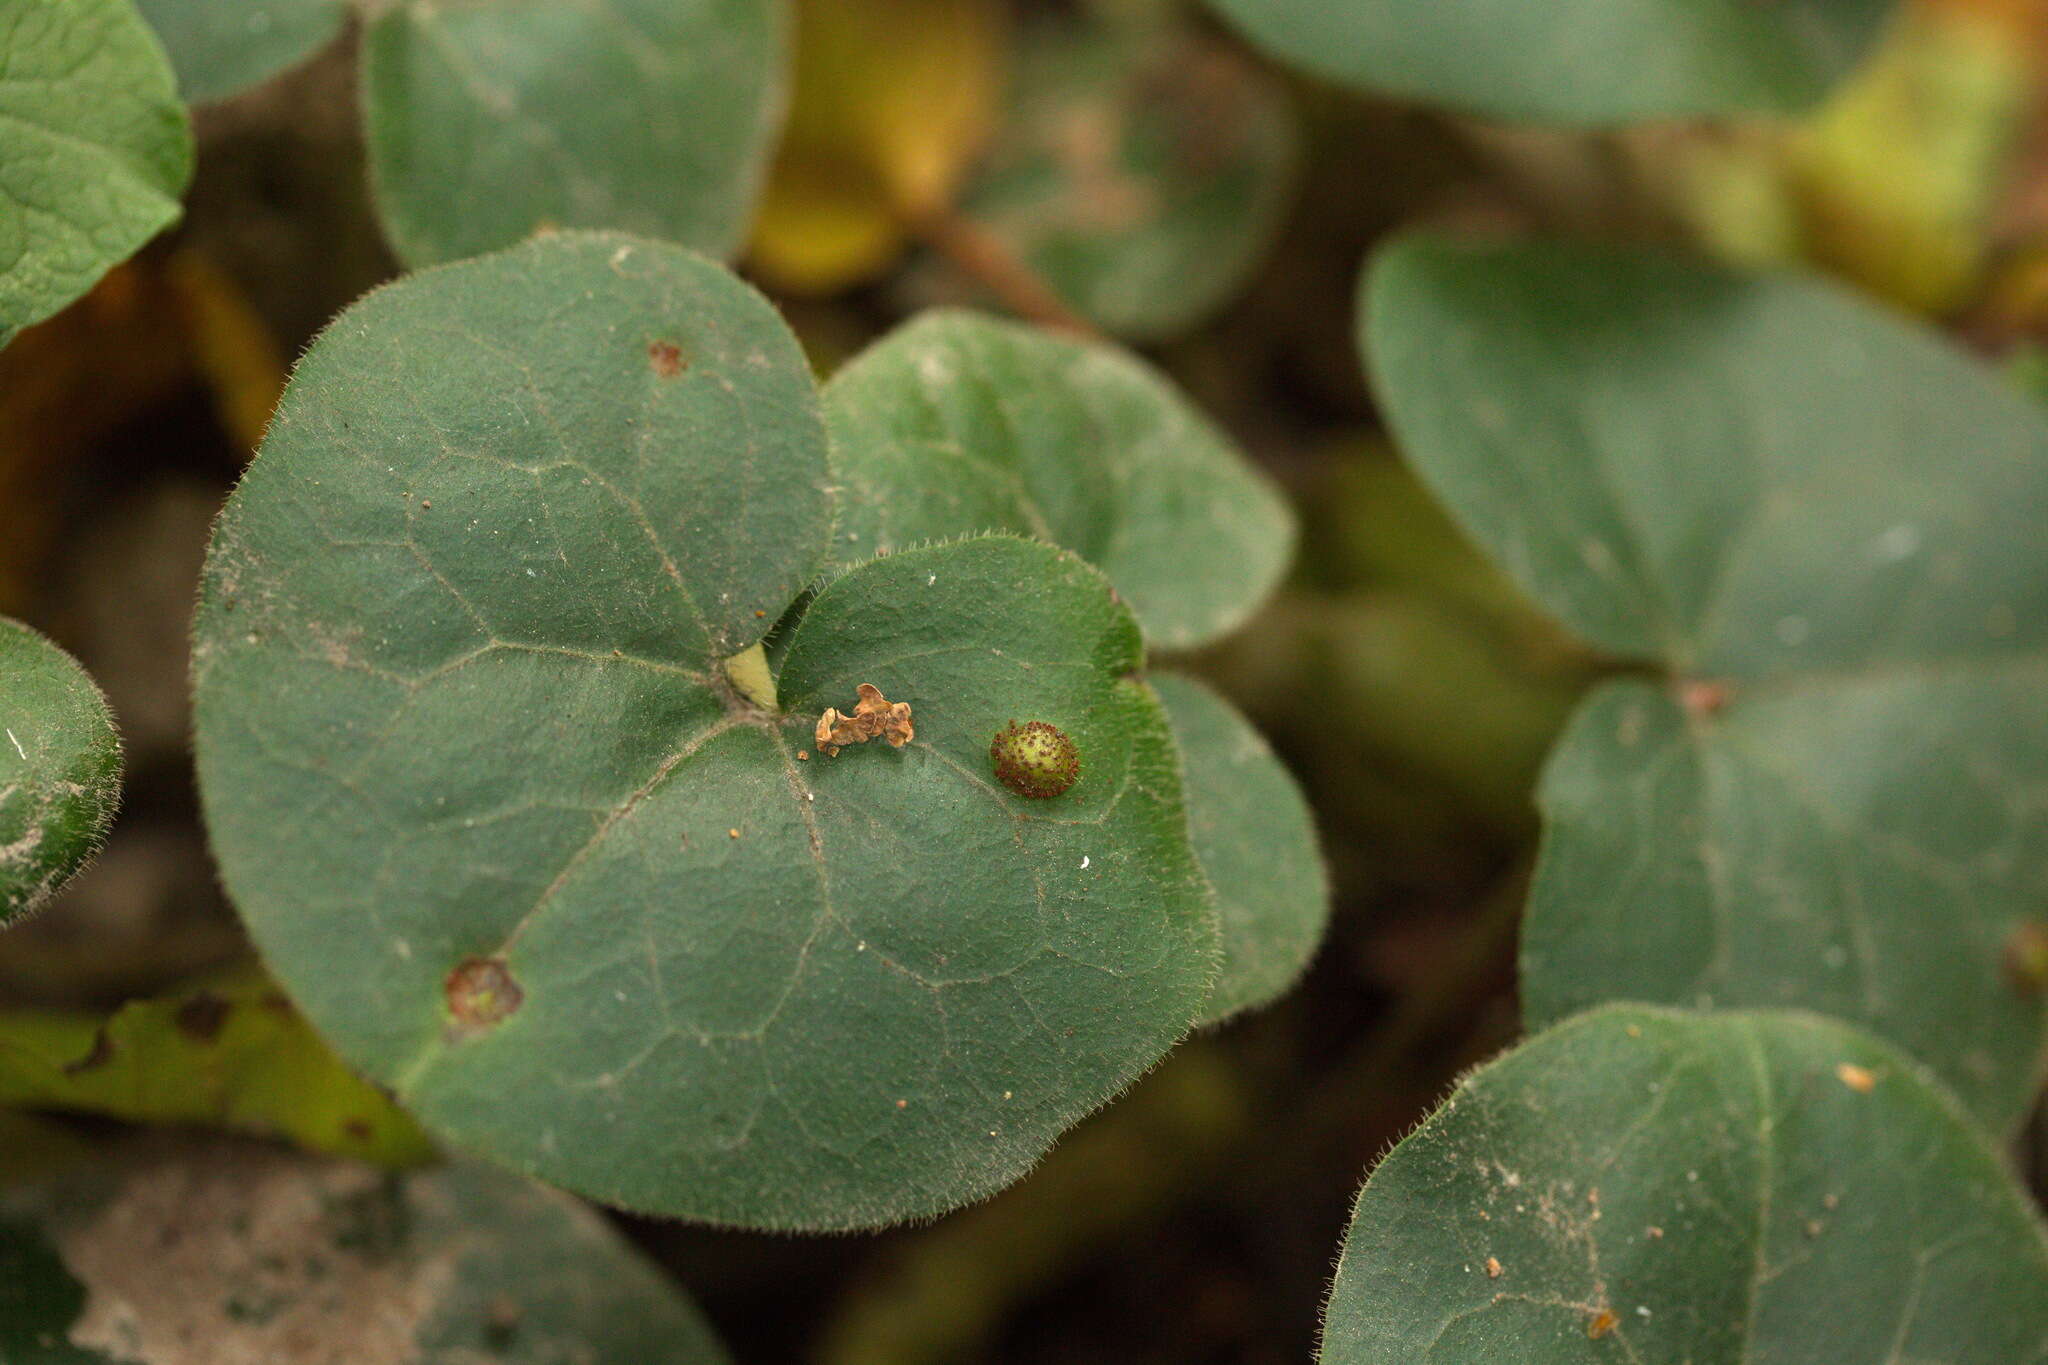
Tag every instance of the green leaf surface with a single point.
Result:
(1649, 1185)
(1256, 838)
(1826, 525)
(489, 122)
(60, 769)
(233, 1252)
(228, 1050)
(483, 795)
(1573, 61)
(94, 149)
(219, 48)
(956, 423)
(1141, 171)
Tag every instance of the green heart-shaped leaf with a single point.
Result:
(1827, 525)
(1256, 839)
(94, 149)
(1140, 171)
(1575, 61)
(219, 49)
(60, 769)
(480, 786)
(488, 122)
(230, 1251)
(956, 423)
(1649, 1185)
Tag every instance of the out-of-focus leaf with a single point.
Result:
(222, 46)
(957, 423)
(489, 122)
(236, 356)
(34, 1147)
(480, 786)
(1141, 170)
(1644, 1185)
(1460, 702)
(1898, 176)
(199, 1254)
(1574, 61)
(94, 149)
(1892, 183)
(943, 1294)
(892, 101)
(60, 769)
(229, 1051)
(1826, 525)
(1256, 839)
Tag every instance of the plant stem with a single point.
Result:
(990, 262)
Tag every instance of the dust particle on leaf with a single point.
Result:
(481, 992)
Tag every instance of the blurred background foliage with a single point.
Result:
(1121, 166)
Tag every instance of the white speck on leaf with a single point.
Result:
(1900, 542)
(17, 746)
(1084, 862)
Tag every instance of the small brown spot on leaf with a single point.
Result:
(481, 993)
(665, 358)
(903, 1104)
(732, 833)
(359, 1129)
(1493, 1270)
(2026, 958)
(1603, 1322)
(803, 755)
(1654, 1233)
(1862, 1080)
(202, 1017)
(1703, 697)
(426, 504)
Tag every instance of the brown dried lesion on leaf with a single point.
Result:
(874, 715)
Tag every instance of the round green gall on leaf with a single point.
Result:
(1035, 759)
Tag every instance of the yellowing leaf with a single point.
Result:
(1898, 174)
(229, 1050)
(892, 102)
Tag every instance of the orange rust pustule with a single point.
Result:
(482, 992)
(1035, 759)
